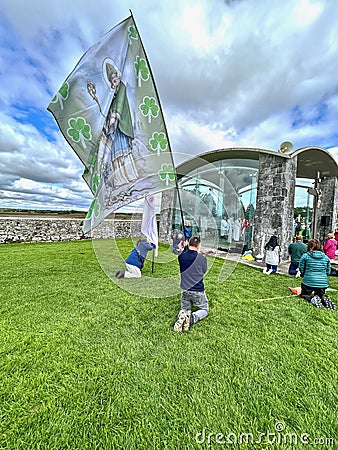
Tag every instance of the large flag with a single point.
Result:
(149, 222)
(108, 110)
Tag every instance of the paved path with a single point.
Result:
(283, 268)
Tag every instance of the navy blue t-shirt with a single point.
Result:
(193, 266)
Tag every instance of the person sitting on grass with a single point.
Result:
(315, 267)
(193, 266)
(135, 260)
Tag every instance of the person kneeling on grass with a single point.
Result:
(315, 267)
(135, 260)
(193, 266)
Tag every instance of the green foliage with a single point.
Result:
(303, 211)
(250, 212)
(85, 365)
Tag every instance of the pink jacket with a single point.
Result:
(330, 248)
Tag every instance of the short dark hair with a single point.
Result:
(194, 241)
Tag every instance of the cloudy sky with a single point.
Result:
(229, 73)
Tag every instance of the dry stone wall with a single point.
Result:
(26, 229)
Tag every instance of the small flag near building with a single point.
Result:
(149, 223)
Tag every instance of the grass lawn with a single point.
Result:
(85, 364)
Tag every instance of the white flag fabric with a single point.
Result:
(149, 222)
(109, 112)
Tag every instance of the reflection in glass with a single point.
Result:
(220, 199)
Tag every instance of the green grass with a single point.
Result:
(86, 364)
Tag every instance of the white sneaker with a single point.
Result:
(265, 270)
(269, 271)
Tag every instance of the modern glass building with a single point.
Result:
(238, 197)
(219, 199)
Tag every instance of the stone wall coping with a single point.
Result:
(62, 218)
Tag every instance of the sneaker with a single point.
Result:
(265, 270)
(120, 274)
(269, 272)
(328, 303)
(325, 300)
(181, 320)
(186, 324)
(316, 301)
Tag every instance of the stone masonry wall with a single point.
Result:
(328, 206)
(275, 202)
(25, 229)
(167, 210)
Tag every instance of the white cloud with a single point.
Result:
(228, 74)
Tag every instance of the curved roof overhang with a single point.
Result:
(310, 160)
(314, 159)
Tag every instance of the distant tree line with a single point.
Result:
(303, 212)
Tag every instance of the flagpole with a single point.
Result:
(165, 127)
(181, 210)
(153, 261)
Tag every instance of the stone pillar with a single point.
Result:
(166, 218)
(328, 208)
(275, 202)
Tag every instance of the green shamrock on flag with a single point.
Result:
(132, 33)
(141, 69)
(61, 95)
(95, 182)
(149, 108)
(79, 130)
(158, 142)
(167, 173)
(93, 209)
